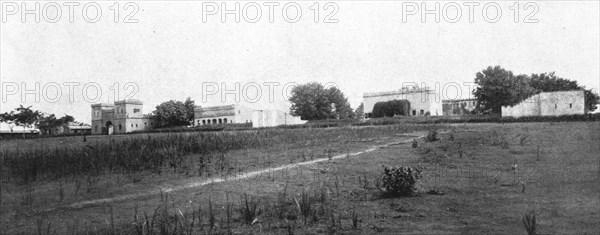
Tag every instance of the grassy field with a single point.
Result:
(482, 180)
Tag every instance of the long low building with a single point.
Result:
(236, 113)
(224, 114)
(548, 104)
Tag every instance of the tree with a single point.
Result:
(591, 100)
(545, 82)
(25, 116)
(189, 107)
(174, 113)
(498, 87)
(312, 101)
(340, 103)
(359, 113)
(48, 122)
(8, 118)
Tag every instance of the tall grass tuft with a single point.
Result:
(305, 205)
(249, 209)
(529, 221)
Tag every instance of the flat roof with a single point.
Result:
(398, 92)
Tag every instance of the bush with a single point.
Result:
(399, 181)
(391, 108)
(432, 136)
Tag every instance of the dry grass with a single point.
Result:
(475, 185)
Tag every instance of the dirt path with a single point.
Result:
(247, 175)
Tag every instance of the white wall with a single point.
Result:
(548, 104)
(267, 118)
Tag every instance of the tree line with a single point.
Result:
(29, 117)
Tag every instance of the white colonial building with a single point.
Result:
(224, 114)
(423, 101)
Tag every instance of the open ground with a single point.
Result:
(477, 178)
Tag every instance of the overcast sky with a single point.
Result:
(171, 52)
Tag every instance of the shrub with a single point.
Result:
(432, 136)
(399, 181)
(391, 108)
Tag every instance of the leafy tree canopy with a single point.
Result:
(391, 108)
(359, 113)
(174, 113)
(312, 101)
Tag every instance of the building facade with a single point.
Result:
(458, 106)
(268, 118)
(118, 118)
(423, 101)
(548, 104)
(224, 114)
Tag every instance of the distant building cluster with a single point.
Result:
(423, 103)
(127, 116)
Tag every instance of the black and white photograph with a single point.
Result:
(299, 117)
